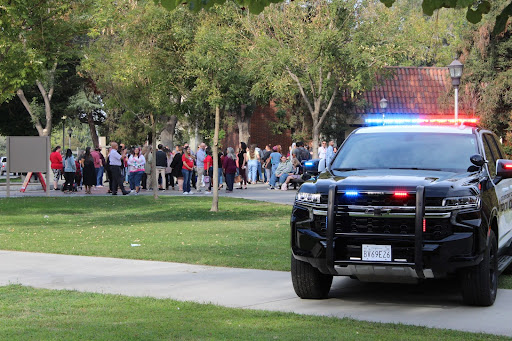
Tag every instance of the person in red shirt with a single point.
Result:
(56, 165)
(208, 170)
(188, 167)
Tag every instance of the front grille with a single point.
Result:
(364, 199)
(435, 229)
(346, 224)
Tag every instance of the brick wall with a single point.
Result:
(260, 130)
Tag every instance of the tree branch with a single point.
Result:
(329, 105)
(47, 107)
(297, 80)
(311, 85)
(52, 77)
(26, 104)
(320, 82)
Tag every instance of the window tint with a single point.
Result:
(491, 153)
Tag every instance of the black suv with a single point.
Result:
(406, 203)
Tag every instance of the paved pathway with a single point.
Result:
(434, 304)
(256, 192)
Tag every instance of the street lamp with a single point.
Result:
(383, 103)
(456, 68)
(63, 131)
(70, 131)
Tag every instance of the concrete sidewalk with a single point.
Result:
(432, 304)
(254, 192)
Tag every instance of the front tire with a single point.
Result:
(308, 282)
(480, 283)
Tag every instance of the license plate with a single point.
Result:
(377, 253)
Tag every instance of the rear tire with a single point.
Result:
(308, 282)
(480, 283)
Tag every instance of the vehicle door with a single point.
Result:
(503, 188)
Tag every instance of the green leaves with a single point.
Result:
(501, 20)
(388, 3)
(475, 16)
(254, 6)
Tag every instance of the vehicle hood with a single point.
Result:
(435, 182)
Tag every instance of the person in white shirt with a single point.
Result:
(322, 154)
(200, 156)
(136, 164)
(116, 160)
(329, 155)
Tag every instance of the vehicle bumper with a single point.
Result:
(413, 255)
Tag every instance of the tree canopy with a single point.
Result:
(475, 9)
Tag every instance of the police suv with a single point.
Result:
(406, 203)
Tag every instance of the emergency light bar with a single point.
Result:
(419, 121)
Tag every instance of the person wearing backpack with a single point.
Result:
(301, 153)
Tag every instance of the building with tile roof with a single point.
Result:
(410, 90)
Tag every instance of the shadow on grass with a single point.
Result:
(101, 211)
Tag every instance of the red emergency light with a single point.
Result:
(401, 194)
(404, 120)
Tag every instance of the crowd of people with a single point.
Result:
(182, 168)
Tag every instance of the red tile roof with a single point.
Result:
(410, 90)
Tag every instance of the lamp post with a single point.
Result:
(456, 68)
(63, 132)
(70, 131)
(383, 103)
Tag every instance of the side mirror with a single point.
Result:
(504, 168)
(477, 160)
(311, 167)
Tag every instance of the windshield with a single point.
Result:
(444, 152)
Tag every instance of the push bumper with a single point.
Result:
(338, 253)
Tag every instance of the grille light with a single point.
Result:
(401, 194)
(351, 193)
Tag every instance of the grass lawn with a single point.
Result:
(13, 180)
(245, 234)
(27, 313)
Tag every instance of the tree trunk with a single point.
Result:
(153, 163)
(47, 97)
(243, 119)
(92, 128)
(196, 137)
(167, 135)
(316, 137)
(215, 199)
(35, 119)
(318, 101)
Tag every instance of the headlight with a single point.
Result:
(308, 197)
(463, 202)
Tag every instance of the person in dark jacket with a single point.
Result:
(177, 165)
(161, 164)
(229, 168)
(89, 171)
